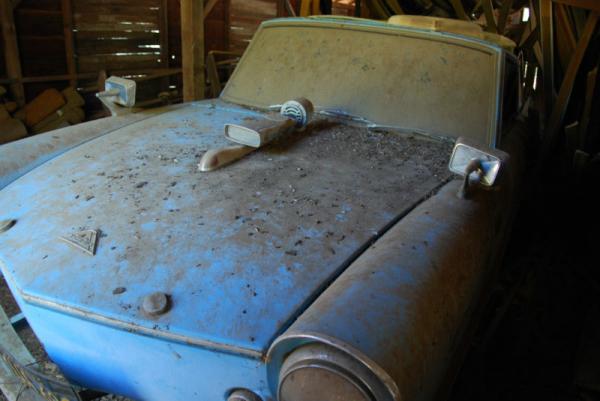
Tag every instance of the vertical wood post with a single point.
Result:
(11, 51)
(547, 43)
(192, 49)
(67, 15)
(163, 26)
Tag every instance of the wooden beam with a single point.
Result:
(192, 49)
(504, 12)
(460, 10)
(588, 4)
(564, 23)
(280, 8)
(488, 10)
(547, 53)
(67, 16)
(11, 50)
(556, 118)
(210, 4)
(163, 27)
(227, 22)
(154, 73)
(289, 8)
(590, 88)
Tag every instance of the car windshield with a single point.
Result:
(430, 83)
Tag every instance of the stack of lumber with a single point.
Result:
(50, 110)
(11, 128)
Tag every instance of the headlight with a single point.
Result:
(320, 372)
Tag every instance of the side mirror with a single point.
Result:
(479, 164)
(118, 91)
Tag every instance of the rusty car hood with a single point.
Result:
(241, 251)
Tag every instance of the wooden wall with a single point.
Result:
(126, 37)
(119, 36)
(246, 16)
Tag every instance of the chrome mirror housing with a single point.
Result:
(479, 164)
(118, 95)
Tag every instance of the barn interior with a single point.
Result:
(536, 334)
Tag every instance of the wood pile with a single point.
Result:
(49, 110)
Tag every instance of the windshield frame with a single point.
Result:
(493, 50)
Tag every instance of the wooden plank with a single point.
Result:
(163, 27)
(67, 14)
(459, 10)
(113, 62)
(109, 9)
(83, 36)
(111, 46)
(590, 88)
(227, 22)
(503, 17)
(11, 50)
(192, 44)
(84, 4)
(588, 4)
(11, 385)
(280, 8)
(547, 53)
(488, 10)
(558, 112)
(210, 4)
(563, 46)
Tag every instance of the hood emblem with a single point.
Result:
(85, 241)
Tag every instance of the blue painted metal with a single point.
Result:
(140, 367)
(250, 255)
(241, 251)
(402, 305)
(19, 157)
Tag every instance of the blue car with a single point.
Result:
(328, 228)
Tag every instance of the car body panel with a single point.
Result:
(278, 225)
(345, 234)
(19, 157)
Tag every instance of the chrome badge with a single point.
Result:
(85, 241)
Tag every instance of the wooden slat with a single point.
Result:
(588, 4)
(11, 50)
(110, 46)
(547, 53)
(10, 384)
(192, 44)
(83, 36)
(566, 87)
(67, 14)
(459, 10)
(590, 88)
(210, 4)
(504, 12)
(488, 10)
(114, 62)
(109, 9)
(83, 4)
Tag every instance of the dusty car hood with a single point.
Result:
(241, 251)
